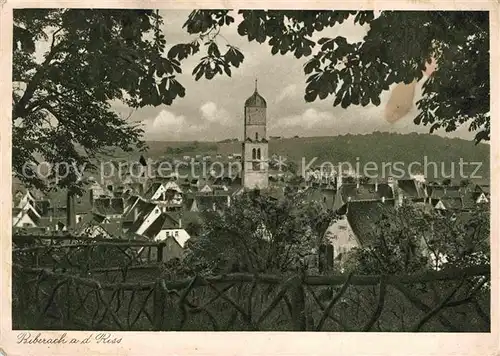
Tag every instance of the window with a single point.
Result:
(176, 233)
(254, 154)
(256, 136)
(258, 153)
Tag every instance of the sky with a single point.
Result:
(213, 109)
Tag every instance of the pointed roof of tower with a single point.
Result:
(256, 100)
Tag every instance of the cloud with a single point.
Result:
(288, 92)
(213, 114)
(169, 126)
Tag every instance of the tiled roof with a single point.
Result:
(43, 207)
(35, 218)
(436, 192)
(145, 209)
(153, 188)
(107, 206)
(452, 203)
(171, 221)
(484, 188)
(411, 189)
(469, 199)
(155, 228)
(188, 203)
(117, 205)
(365, 192)
(101, 205)
(364, 216)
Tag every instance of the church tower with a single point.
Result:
(255, 155)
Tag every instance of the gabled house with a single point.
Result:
(21, 199)
(28, 218)
(412, 190)
(483, 188)
(167, 230)
(356, 225)
(357, 192)
(205, 189)
(209, 202)
(448, 203)
(96, 226)
(155, 192)
(148, 213)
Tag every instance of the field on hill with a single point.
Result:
(440, 155)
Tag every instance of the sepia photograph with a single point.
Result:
(249, 170)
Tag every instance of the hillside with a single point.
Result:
(376, 147)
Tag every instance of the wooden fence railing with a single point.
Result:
(447, 300)
(83, 255)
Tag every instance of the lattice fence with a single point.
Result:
(52, 293)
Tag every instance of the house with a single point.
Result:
(147, 214)
(155, 191)
(209, 202)
(363, 192)
(484, 188)
(22, 198)
(484, 192)
(94, 226)
(110, 208)
(25, 218)
(324, 196)
(448, 203)
(167, 227)
(411, 189)
(205, 189)
(455, 198)
(357, 225)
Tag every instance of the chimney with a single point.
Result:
(383, 199)
(376, 185)
(357, 183)
(70, 210)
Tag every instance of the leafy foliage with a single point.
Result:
(259, 234)
(61, 105)
(396, 49)
(414, 238)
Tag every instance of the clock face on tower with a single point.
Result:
(255, 116)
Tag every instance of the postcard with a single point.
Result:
(249, 178)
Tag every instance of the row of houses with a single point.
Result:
(199, 157)
(163, 210)
(361, 207)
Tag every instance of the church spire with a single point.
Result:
(256, 85)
